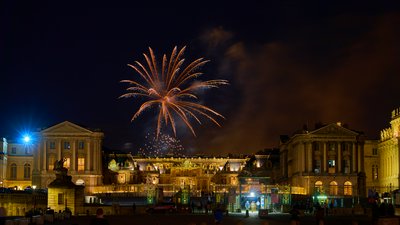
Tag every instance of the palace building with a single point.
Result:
(329, 162)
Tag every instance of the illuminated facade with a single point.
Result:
(171, 173)
(230, 180)
(80, 147)
(389, 155)
(16, 163)
(329, 161)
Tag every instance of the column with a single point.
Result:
(309, 157)
(353, 158)
(59, 149)
(339, 158)
(73, 157)
(303, 158)
(36, 156)
(87, 155)
(44, 163)
(324, 158)
(361, 149)
(94, 158)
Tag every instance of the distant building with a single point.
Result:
(328, 162)
(80, 147)
(16, 163)
(388, 149)
(31, 164)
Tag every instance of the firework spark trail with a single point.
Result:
(170, 89)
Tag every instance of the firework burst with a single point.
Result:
(164, 145)
(172, 89)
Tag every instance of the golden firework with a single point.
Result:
(172, 88)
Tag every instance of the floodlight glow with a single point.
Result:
(252, 194)
(27, 138)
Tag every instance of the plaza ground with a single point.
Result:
(202, 219)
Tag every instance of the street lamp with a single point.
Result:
(26, 138)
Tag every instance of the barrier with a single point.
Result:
(388, 221)
(49, 218)
(38, 220)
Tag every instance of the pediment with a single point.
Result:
(66, 127)
(334, 130)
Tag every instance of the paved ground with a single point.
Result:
(201, 219)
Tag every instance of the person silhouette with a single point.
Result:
(99, 219)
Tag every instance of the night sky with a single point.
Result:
(288, 64)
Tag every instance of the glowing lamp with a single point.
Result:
(27, 138)
(252, 194)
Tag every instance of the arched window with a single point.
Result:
(13, 174)
(27, 171)
(333, 188)
(348, 188)
(318, 186)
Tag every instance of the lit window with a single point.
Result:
(67, 163)
(318, 186)
(51, 162)
(27, 171)
(348, 190)
(374, 172)
(333, 188)
(81, 164)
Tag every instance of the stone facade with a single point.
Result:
(329, 160)
(389, 155)
(16, 163)
(80, 147)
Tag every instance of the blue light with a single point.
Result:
(27, 138)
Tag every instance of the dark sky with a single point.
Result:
(288, 64)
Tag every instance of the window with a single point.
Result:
(14, 150)
(60, 198)
(374, 151)
(348, 188)
(374, 172)
(13, 174)
(51, 162)
(81, 145)
(67, 163)
(331, 166)
(81, 164)
(67, 145)
(27, 171)
(318, 186)
(26, 150)
(333, 188)
(52, 145)
(317, 166)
